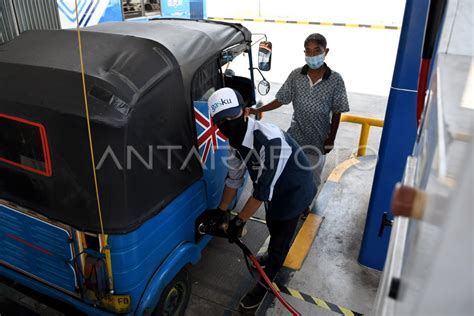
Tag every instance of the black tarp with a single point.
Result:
(138, 82)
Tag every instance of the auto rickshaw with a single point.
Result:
(158, 159)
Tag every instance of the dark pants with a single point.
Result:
(281, 234)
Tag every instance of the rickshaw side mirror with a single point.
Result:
(265, 56)
(263, 87)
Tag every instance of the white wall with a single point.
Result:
(232, 8)
(364, 57)
(386, 12)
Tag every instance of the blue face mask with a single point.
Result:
(315, 62)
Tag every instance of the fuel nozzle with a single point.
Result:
(214, 222)
(213, 229)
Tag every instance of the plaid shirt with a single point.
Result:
(313, 104)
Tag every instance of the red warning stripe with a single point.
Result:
(29, 244)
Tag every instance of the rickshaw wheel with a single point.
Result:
(175, 297)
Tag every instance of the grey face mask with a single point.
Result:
(315, 62)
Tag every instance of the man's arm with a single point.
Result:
(234, 179)
(227, 197)
(275, 104)
(340, 105)
(250, 208)
(329, 143)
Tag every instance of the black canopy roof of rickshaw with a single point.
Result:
(138, 78)
(125, 55)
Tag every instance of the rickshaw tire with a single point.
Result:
(177, 292)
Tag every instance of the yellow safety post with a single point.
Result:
(366, 123)
(363, 140)
(108, 263)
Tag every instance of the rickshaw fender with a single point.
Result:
(178, 259)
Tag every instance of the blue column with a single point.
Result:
(399, 132)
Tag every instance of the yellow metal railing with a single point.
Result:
(366, 123)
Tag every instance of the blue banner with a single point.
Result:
(175, 9)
